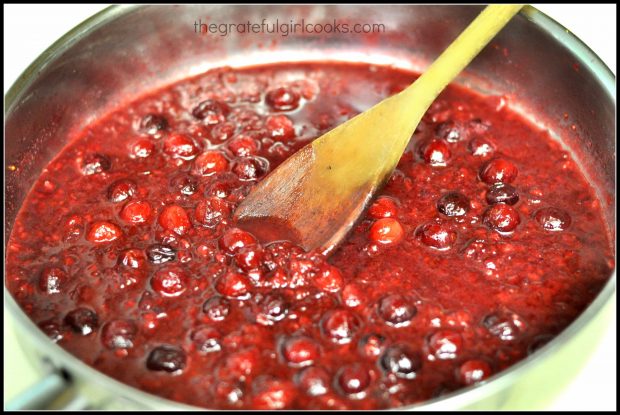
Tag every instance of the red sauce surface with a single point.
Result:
(486, 242)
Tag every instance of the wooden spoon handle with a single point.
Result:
(458, 55)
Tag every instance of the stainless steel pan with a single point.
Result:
(130, 49)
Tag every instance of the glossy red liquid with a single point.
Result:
(486, 242)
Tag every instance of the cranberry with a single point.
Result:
(353, 295)
(181, 146)
(280, 127)
(299, 351)
(243, 146)
(52, 280)
(175, 218)
(216, 308)
(121, 190)
(243, 363)
(250, 168)
(207, 339)
(160, 254)
(234, 239)
(211, 111)
(498, 171)
(553, 219)
(272, 307)
(153, 123)
(272, 394)
(234, 285)
(473, 371)
(103, 232)
(453, 204)
(282, 99)
(184, 184)
(95, 163)
(132, 258)
(353, 379)
(386, 231)
(313, 380)
(506, 326)
(397, 310)
(249, 258)
(502, 218)
(401, 361)
(372, 345)
(82, 321)
(383, 207)
(340, 325)
(210, 162)
(211, 211)
(119, 334)
(52, 330)
(435, 152)
(436, 235)
(170, 281)
(480, 147)
(329, 279)
(445, 344)
(137, 211)
(166, 358)
(502, 193)
(141, 148)
(223, 132)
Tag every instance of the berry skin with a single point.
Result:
(136, 211)
(166, 358)
(502, 193)
(234, 239)
(386, 231)
(299, 351)
(383, 207)
(340, 325)
(170, 282)
(174, 218)
(401, 361)
(52, 279)
(211, 211)
(453, 204)
(121, 190)
(280, 127)
(553, 219)
(282, 99)
(180, 146)
(95, 163)
(502, 218)
(473, 371)
(436, 235)
(211, 112)
(103, 232)
(82, 321)
(397, 310)
(445, 344)
(234, 285)
(498, 171)
(119, 334)
(209, 163)
(435, 153)
(353, 379)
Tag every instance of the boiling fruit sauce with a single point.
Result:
(485, 243)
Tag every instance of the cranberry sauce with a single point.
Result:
(485, 243)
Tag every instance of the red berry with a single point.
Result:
(222, 132)
(234, 239)
(553, 219)
(386, 231)
(210, 162)
(313, 380)
(280, 127)
(249, 258)
(211, 211)
(372, 345)
(121, 190)
(141, 148)
(401, 361)
(340, 325)
(211, 111)
(103, 232)
(498, 170)
(282, 99)
(82, 321)
(170, 281)
(181, 146)
(397, 310)
(174, 218)
(95, 163)
(445, 344)
(502, 193)
(300, 351)
(502, 218)
(207, 340)
(137, 211)
(153, 123)
(453, 204)
(435, 152)
(132, 258)
(243, 146)
(166, 358)
(473, 371)
(383, 207)
(251, 168)
(480, 147)
(216, 308)
(436, 235)
(234, 285)
(353, 295)
(353, 379)
(329, 279)
(273, 394)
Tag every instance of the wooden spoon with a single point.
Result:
(314, 197)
